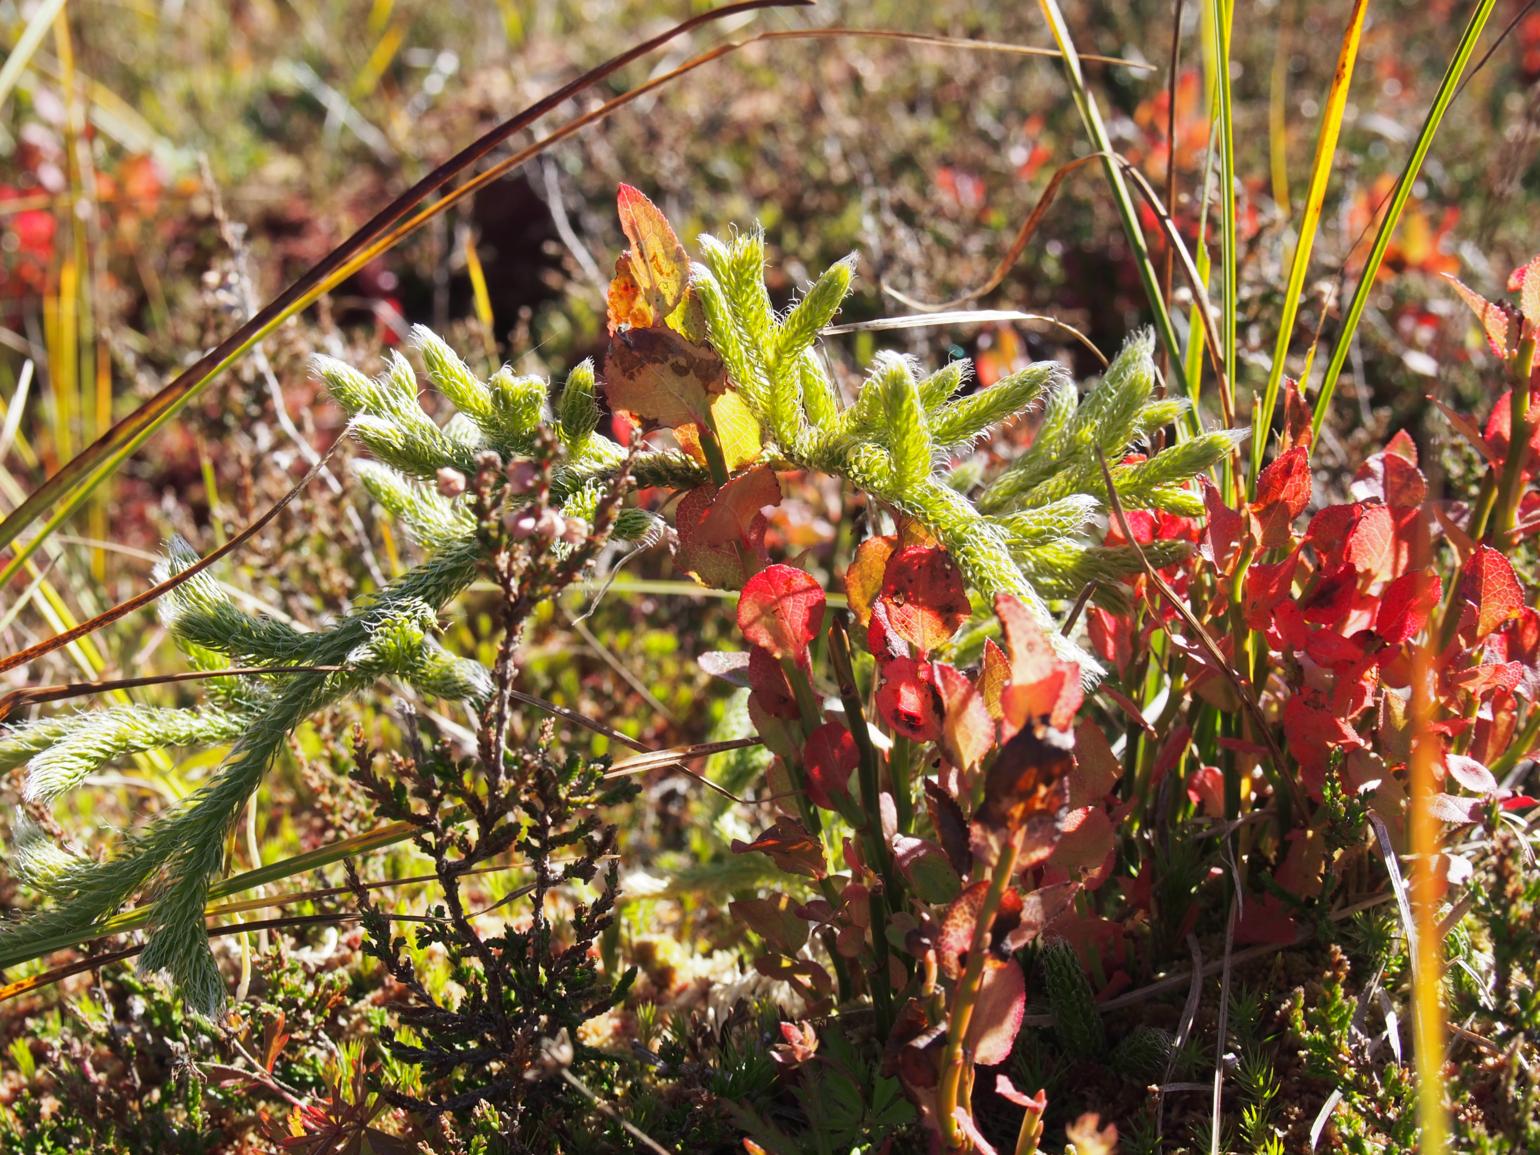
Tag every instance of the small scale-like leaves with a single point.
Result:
(959, 423)
(578, 411)
(810, 315)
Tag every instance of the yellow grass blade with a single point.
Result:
(1315, 198)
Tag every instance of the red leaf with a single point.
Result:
(781, 609)
(926, 599)
(719, 565)
(1330, 649)
(1313, 732)
(1405, 605)
(1525, 281)
(735, 509)
(768, 684)
(830, 757)
(1283, 492)
(1266, 587)
(908, 699)
(1036, 1104)
(1392, 475)
(961, 920)
(1370, 544)
(1086, 847)
(1111, 637)
(1488, 582)
(1223, 530)
(1266, 920)
(1499, 427)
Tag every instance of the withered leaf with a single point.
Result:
(790, 845)
(661, 377)
(1027, 788)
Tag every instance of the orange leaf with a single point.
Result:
(652, 277)
(1043, 685)
(1498, 321)
(863, 580)
(968, 731)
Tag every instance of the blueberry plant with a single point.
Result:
(950, 814)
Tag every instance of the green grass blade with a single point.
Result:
(1090, 114)
(1403, 190)
(1299, 265)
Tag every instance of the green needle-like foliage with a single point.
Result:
(175, 855)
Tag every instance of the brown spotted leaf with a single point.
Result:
(661, 377)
